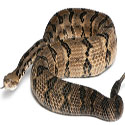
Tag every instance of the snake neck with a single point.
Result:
(12, 79)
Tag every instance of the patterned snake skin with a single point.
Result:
(76, 43)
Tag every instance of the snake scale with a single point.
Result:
(76, 43)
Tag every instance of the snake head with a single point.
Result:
(10, 81)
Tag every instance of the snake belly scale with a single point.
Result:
(76, 43)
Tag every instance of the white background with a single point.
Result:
(22, 22)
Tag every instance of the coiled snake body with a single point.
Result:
(76, 43)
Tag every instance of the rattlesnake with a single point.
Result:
(76, 43)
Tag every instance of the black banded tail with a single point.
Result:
(116, 86)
